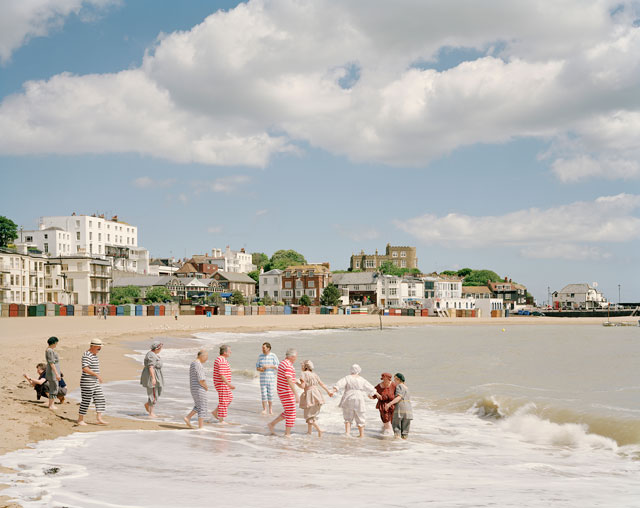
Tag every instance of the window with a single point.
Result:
(298, 293)
(403, 254)
(77, 223)
(393, 291)
(357, 264)
(90, 224)
(99, 225)
(299, 273)
(46, 236)
(29, 239)
(311, 293)
(46, 247)
(298, 284)
(287, 284)
(356, 288)
(370, 263)
(394, 254)
(78, 235)
(108, 237)
(403, 263)
(311, 284)
(99, 237)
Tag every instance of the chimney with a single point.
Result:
(242, 250)
(506, 280)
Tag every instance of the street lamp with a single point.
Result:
(618, 295)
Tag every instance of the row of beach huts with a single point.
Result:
(174, 309)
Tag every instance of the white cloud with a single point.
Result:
(558, 232)
(145, 182)
(583, 167)
(226, 184)
(214, 229)
(260, 213)
(246, 84)
(21, 20)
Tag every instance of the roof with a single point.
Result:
(476, 290)
(353, 278)
(315, 268)
(275, 271)
(187, 268)
(576, 288)
(236, 277)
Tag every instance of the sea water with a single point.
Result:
(530, 416)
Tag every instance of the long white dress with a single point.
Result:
(354, 388)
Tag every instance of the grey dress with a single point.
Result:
(152, 360)
(52, 357)
(403, 412)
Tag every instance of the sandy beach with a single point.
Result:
(24, 342)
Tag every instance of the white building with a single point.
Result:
(22, 278)
(271, 284)
(237, 261)
(411, 292)
(443, 293)
(95, 236)
(483, 299)
(53, 241)
(579, 297)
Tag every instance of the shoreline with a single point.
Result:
(23, 342)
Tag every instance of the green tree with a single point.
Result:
(481, 278)
(158, 294)
(330, 296)
(214, 299)
(282, 259)
(237, 298)
(127, 294)
(8, 231)
(260, 259)
(305, 300)
(267, 300)
(450, 273)
(464, 272)
(388, 268)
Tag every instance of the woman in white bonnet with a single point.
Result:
(353, 398)
(311, 399)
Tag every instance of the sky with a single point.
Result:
(502, 135)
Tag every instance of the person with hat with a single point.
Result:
(403, 413)
(386, 392)
(152, 378)
(354, 387)
(52, 372)
(311, 399)
(91, 383)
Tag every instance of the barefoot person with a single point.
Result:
(286, 387)
(152, 378)
(199, 389)
(352, 403)
(267, 365)
(91, 383)
(52, 373)
(311, 399)
(403, 412)
(386, 393)
(222, 383)
(41, 386)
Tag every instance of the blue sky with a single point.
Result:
(509, 144)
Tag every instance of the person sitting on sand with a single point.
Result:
(267, 365)
(41, 386)
(352, 403)
(311, 399)
(199, 389)
(222, 383)
(386, 392)
(152, 378)
(403, 413)
(52, 372)
(286, 387)
(91, 383)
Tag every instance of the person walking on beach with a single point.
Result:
(386, 392)
(286, 388)
(267, 365)
(222, 383)
(199, 389)
(352, 403)
(152, 378)
(52, 372)
(91, 383)
(403, 412)
(311, 399)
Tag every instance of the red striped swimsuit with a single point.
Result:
(225, 396)
(287, 397)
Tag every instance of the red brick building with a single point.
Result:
(307, 280)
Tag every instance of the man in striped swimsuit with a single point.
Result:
(199, 389)
(91, 383)
(222, 382)
(286, 387)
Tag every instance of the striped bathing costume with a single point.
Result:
(221, 368)
(90, 388)
(267, 377)
(199, 394)
(287, 397)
